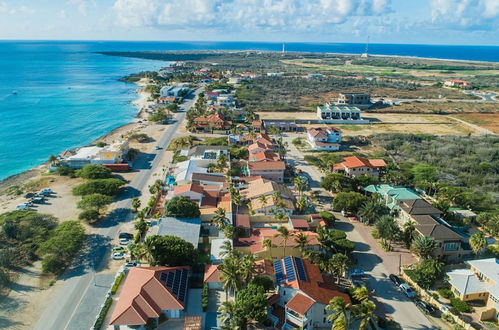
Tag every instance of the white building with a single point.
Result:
(184, 170)
(324, 138)
(174, 91)
(110, 154)
(333, 114)
(216, 249)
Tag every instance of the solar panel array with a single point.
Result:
(176, 281)
(290, 270)
(279, 274)
(300, 269)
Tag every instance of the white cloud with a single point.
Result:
(83, 5)
(4, 8)
(292, 15)
(465, 14)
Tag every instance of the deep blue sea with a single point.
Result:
(68, 96)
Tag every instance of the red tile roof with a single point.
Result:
(354, 162)
(255, 240)
(144, 296)
(188, 187)
(300, 303)
(264, 156)
(243, 220)
(213, 118)
(299, 223)
(317, 287)
(259, 166)
(212, 274)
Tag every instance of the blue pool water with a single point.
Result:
(68, 96)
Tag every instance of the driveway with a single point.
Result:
(371, 258)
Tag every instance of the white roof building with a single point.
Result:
(216, 249)
(184, 170)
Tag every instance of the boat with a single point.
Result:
(14, 92)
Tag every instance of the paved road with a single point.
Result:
(390, 299)
(78, 300)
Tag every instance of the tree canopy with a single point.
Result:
(170, 250)
(110, 187)
(92, 171)
(94, 202)
(349, 201)
(182, 207)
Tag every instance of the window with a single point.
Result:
(284, 292)
(324, 320)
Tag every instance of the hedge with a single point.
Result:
(460, 306)
(102, 315)
(117, 283)
(204, 297)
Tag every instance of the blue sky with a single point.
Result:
(386, 21)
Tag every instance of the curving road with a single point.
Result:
(78, 301)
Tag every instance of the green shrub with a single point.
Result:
(204, 297)
(53, 264)
(445, 293)
(92, 171)
(328, 217)
(102, 315)
(460, 306)
(65, 171)
(89, 215)
(117, 283)
(109, 187)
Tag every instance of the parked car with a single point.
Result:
(118, 256)
(424, 307)
(38, 199)
(23, 206)
(124, 241)
(125, 235)
(30, 195)
(119, 249)
(407, 290)
(356, 272)
(130, 264)
(395, 279)
(158, 148)
(45, 192)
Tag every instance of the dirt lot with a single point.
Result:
(449, 107)
(485, 120)
(387, 123)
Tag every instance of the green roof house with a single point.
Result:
(393, 196)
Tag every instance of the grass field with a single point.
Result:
(485, 120)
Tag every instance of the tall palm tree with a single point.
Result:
(247, 269)
(220, 220)
(409, 229)
(373, 209)
(228, 315)
(236, 199)
(301, 240)
(230, 273)
(338, 265)
(138, 251)
(423, 246)
(263, 200)
(299, 183)
(285, 235)
(226, 249)
(301, 204)
(279, 216)
(340, 313)
(276, 196)
(365, 313)
(361, 293)
(267, 244)
(478, 242)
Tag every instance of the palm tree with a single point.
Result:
(279, 216)
(226, 249)
(220, 220)
(423, 246)
(340, 313)
(135, 204)
(247, 269)
(409, 229)
(267, 244)
(250, 208)
(230, 273)
(301, 240)
(138, 251)
(285, 235)
(299, 183)
(301, 204)
(263, 200)
(478, 242)
(361, 293)
(338, 265)
(228, 315)
(388, 229)
(373, 209)
(365, 313)
(236, 199)
(276, 196)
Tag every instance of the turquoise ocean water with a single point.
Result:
(68, 96)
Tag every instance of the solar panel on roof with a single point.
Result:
(183, 285)
(176, 283)
(171, 277)
(290, 270)
(300, 269)
(279, 274)
(163, 277)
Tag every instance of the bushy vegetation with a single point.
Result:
(117, 283)
(92, 171)
(108, 187)
(204, 297)
(445, 293)
(182, 207)
(169, 251)
(460, 306)
(427, 272)
(460, 169)
(102, 315)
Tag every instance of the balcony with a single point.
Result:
(297, 319)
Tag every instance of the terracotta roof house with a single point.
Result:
(457, 83)
(324, 138)
(212, 122)
(356, 166)
(149, 292)
(259, 187)
(260, 146)
(256, 125)
(270, 206)
(213, 277)
(268, 170)
(253, 244)
(264, 156)
(304, 293)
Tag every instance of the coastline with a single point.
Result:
(140, 102)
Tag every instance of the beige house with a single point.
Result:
(268, 170)
(479, 282)
(271, 206)
(259, 187)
